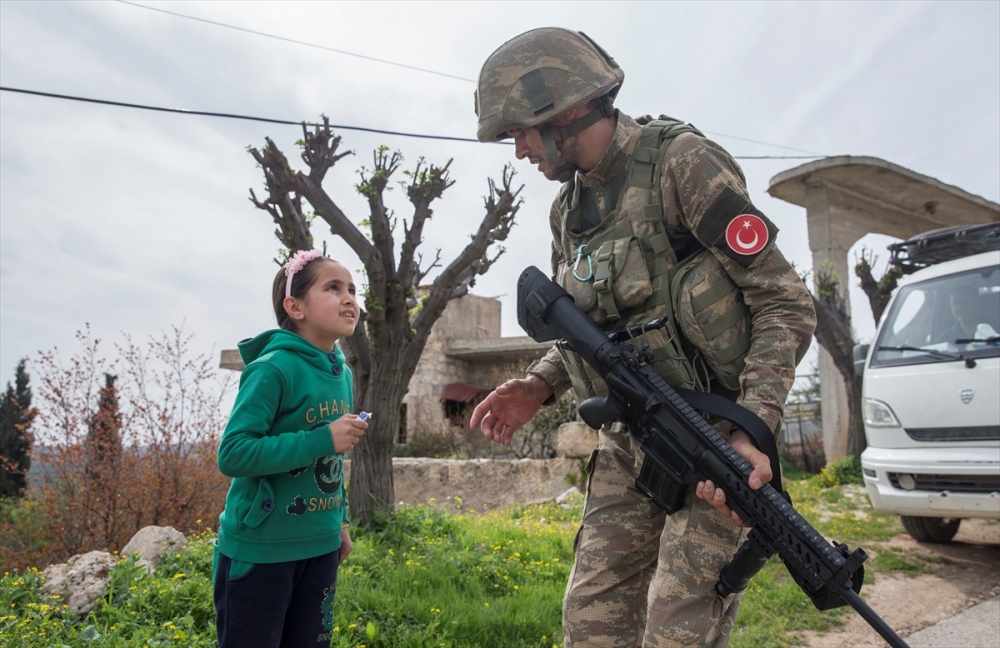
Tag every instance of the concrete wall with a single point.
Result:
(482, 484)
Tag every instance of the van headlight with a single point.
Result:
(878, 414)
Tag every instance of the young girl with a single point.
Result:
(284, 530)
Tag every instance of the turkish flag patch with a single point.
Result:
(747, 234)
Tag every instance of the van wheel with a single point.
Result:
(927, 529)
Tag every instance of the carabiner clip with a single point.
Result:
(576, 265)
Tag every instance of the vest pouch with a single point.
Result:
(669, 360)
(582, 292)
(262, 505)
(585, 381)
(713, 317)
(621, 276)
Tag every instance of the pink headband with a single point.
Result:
(295, 264)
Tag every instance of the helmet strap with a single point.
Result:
(564, 172)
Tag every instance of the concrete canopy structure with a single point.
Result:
(847, 197)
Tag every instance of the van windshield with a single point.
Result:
(946, 319)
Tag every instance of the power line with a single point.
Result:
(744, 139)
(288, 122)
(205, 113)
(297, 42)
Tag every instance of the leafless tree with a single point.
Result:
(394, 327)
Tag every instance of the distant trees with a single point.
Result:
(16, 415)
(121, 443)
(394, 326)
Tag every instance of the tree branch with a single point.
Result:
(878, 292)
(283, 203)
(319, 150)
(456, 279)
(426, 186)
(372, 187)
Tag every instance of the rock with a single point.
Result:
(81, 581)
(149, 542)
(576, 440)
(568, 495)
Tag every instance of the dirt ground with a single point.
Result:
(911, 603)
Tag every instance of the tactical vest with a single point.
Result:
(624, 272)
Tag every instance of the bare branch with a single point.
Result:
(319, 150)
(283, 203)
(501, 207)
(372, 186)
(878, 292)
(426, 186)
(418, 273)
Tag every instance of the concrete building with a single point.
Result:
(464, 359)
(847, 197)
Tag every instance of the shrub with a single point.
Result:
(840, 473)
(163, 417)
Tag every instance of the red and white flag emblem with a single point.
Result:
(747, 234)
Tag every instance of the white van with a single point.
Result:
(931, 385)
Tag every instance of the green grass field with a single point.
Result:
(435, 577)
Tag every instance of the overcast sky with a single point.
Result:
(133, 221)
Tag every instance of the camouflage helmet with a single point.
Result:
(538, 75)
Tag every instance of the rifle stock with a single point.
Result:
(682, 449)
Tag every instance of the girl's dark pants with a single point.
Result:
(277, 605)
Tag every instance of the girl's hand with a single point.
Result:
(346, 546)
(346, 432)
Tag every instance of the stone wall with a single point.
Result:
(487, 484)
(482, 484)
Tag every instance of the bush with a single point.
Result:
(156, 463)
(840, 473)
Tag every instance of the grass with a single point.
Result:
(431, 576)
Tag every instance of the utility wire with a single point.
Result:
(297, 42)
(744, 139)
(268, 120)
(420, 69)
(205, 113)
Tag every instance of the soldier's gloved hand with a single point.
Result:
(510, 406)
(760, 475)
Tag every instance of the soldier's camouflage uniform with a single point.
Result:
(642, 578)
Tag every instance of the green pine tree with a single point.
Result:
(16, 415)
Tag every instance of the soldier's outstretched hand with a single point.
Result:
(760, 475)
(510, 406)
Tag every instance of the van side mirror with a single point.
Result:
(860, 355)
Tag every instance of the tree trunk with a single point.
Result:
(833, 332)
(856, 441)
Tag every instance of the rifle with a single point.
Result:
(682, 449)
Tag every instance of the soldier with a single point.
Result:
(652, 220)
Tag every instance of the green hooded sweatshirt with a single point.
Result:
(287, 498)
